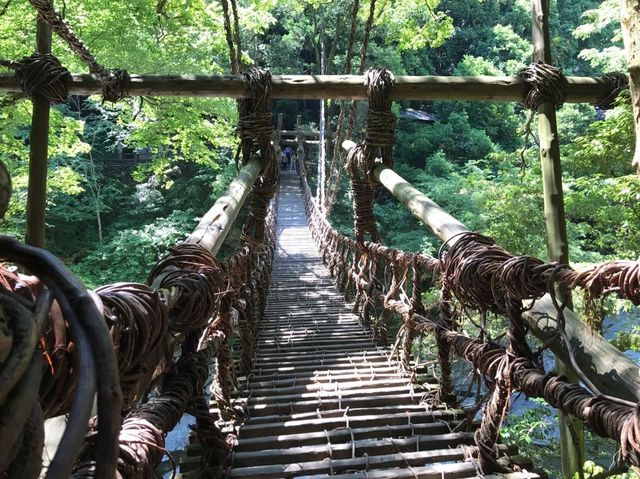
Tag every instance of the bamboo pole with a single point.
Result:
(572, 449)
(38, 153)
(321, 152)
(608, 368)
(216, 223)
(317, 87)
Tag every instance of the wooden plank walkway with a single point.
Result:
(323, 399)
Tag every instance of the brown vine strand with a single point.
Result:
(487, 435)
(256, 135)
(141, 439)
(605, 417)
(95, 357)
(235, 68)
(446, 321)
(236, 34)
(376, 148)
(483, 275)
(617, 82)
(196, 281)
(216, 448)
(138, 323)
(546, 84)
(41, 76)
(114, 82)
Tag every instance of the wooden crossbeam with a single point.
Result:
(316, 87)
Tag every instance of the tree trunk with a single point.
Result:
(630, 22)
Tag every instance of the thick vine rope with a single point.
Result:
(546, 84)
(114, 82)
(42, 76)
(337, 165)
(256, 135)
(376, 148)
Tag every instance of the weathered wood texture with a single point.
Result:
(216, 223)
(572, 448)
(316, 87)
(38, 154)
(630, 23)
(604, 364)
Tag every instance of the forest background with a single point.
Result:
(128, 180)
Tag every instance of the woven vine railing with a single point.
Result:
(120, 340)
(207, 303)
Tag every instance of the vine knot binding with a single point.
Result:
(617, 82)
(41, 76)
(114, 82)
(377, 147)
(547, 84)
(256, 135)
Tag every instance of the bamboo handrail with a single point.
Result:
(316, 87)
(608, 368)
(216, 223)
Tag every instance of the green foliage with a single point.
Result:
(414, 25)
(130, 254)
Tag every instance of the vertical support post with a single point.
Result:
(571, 430)
(300, 138)
(38, 153)
(321, 146)
(630, 23)
(277, 137)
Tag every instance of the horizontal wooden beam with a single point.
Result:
(316, 87)
(609, 369)
(216, 223)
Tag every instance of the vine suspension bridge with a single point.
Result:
(305, 334)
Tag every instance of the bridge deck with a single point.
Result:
(323, 399)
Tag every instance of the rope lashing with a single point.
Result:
(380, 120)
(138, 323)
(197, 278)
(376, 148)
(617, 83)
(256, 134)
(607, 418)
(41, 75)
(114, 82)
(484, 276)
(546, 84)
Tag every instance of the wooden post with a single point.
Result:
(38, 153)
(300, 138)
(608, 368)
(216, 223)
(572, 450)
(277, 138)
